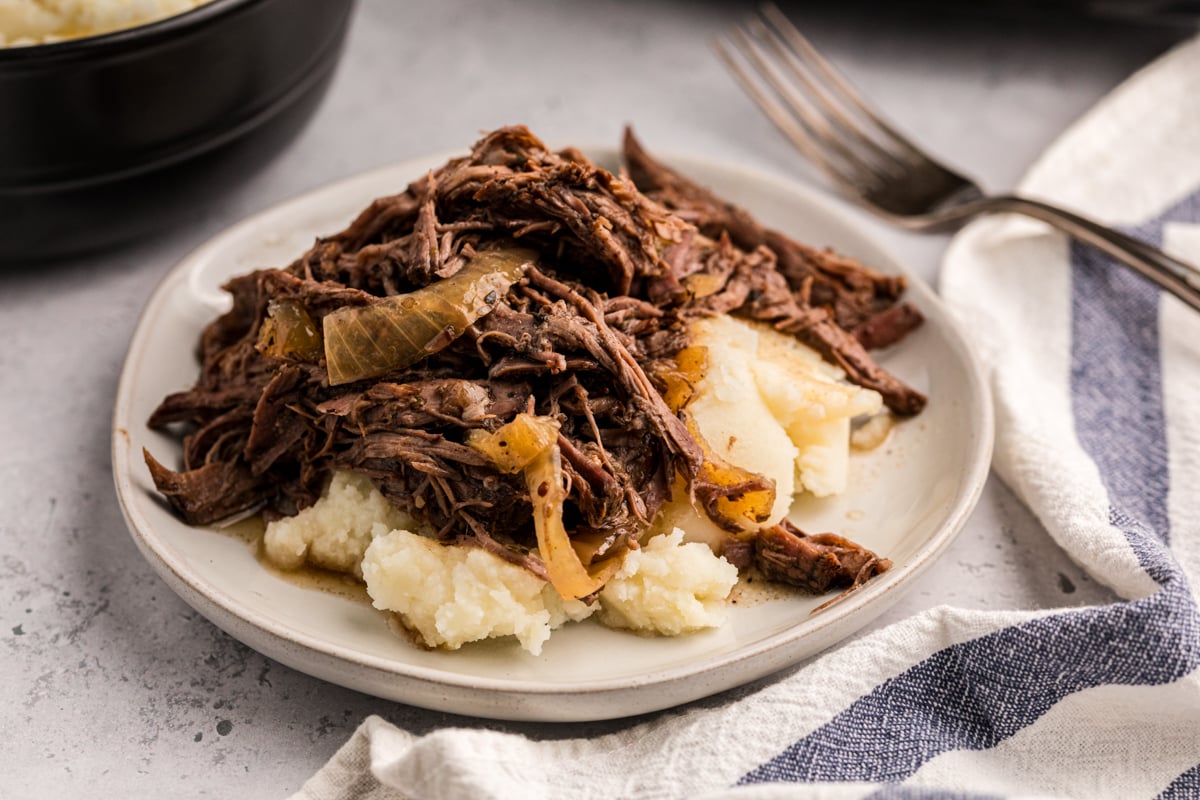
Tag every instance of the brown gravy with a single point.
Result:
(250, 531)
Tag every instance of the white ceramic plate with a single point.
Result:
(909, 499)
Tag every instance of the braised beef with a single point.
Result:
(583, 337)
(817, 562)
(833, 294)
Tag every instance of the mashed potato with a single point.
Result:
(767, 404)
(334, 532)
(813, 402)
(668, 587)
(770, 405)
(454, 595)
(25, 22)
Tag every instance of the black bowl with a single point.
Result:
(112, 137)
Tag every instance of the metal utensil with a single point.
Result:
(834, 126)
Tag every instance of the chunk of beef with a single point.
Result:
(816, 562)
(855, 293)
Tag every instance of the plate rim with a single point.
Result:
(193, 588)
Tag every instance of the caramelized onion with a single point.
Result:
(396, 332)
(690, 365)
(732, 497)
(516, 443)
(530, 443)
(288, 330)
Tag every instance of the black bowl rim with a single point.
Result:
(161, 36)
(148, 33)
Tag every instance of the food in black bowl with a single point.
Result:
(109, 137)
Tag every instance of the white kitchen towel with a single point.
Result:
(1096, 377)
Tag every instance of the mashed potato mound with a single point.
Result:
(668, 587)
(334, 532)
(813, 401)
(26, 22)
(770, 405)
(453, 595)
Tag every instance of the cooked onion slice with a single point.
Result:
(516, 443)
(734, 498)
(288, 330)
(530, 443)
(396, 332)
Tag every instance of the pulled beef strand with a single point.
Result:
(615, 275)
(855, 292)
(816, 563)
(834, 294)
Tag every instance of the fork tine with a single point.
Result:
(801, 46)
(811, 107)
(868, 151)
(781, 117)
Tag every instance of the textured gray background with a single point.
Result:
(113, 687)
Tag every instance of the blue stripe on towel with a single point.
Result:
(1185, 786)
(1116, 389)
(976, 694)
(894, 792)
(1116, 386)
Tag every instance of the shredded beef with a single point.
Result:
(582, 337)
(816, 562)
(832, 294)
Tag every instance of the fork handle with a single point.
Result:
(1171, 274)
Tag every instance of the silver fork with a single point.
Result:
(834, 126)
